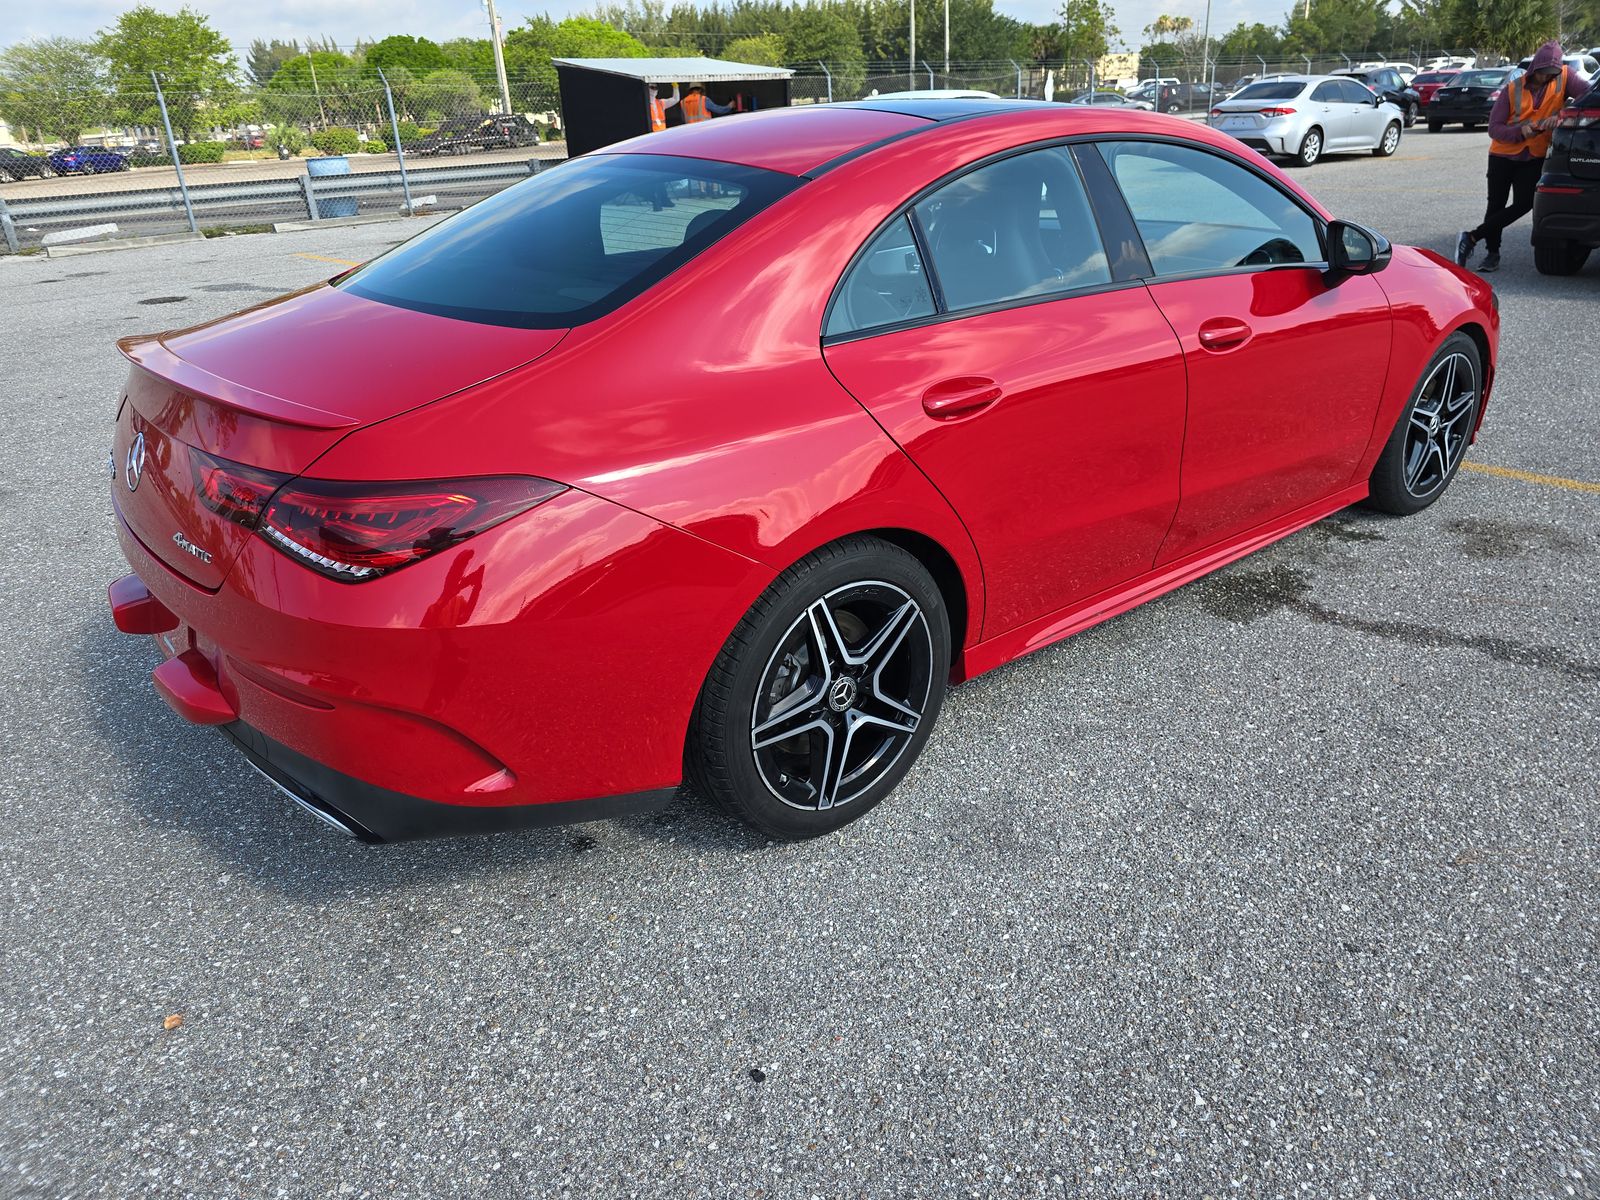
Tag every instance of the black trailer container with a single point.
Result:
(605, 100)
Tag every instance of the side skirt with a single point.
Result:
(996, 651)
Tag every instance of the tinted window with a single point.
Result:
(1479, 79)
(1271, 91)
(887, 285)
(1352, 92)
(1433, 77)
(1327, 93)
(570, 244)
(1016, 228)
(1200, 212)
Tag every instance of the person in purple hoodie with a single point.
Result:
(1519, 137)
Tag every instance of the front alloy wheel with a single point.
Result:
(826, 692)
(1427, 445)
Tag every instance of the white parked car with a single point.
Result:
(1303, 117)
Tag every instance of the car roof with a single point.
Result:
(797, 139)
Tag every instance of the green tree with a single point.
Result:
(446, 93)
(418, 55)
(1088, 28)
(766, 50)
(1514, 28)
(264, 59)
(814, 33)
(53, 87)
(1335, 26)
(1244, 42)
(473, 55)
(196, 63)
(322, 88)
(529, 49)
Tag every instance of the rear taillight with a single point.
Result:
(358, 531)
(1277, 112)
(231, 490)
(1216, 112)
(1495, 95)
(1579, 118)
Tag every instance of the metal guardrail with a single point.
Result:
(211, 201)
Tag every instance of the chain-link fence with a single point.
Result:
(145, 163)
(86, 167)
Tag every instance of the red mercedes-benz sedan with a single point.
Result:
(723, 452)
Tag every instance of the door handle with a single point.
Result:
(1224, 333)
(959, 396)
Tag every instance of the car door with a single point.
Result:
(1331, 111)
(1034, 381)
(1285, 369)
(1368, 117)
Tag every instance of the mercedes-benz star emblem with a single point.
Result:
(134, 467)
(842, 694)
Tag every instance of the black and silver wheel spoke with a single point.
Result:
(1439, 426)
(842, 695)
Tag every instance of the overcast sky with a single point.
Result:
(347, 20)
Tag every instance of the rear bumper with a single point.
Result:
(374, 814)
(1561, 217)
(1448, 112)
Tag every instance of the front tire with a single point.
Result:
(826, 691)
(1411, 115)
(1430, 439)
(1310, 148)
(1390, 142)
(1559, 258)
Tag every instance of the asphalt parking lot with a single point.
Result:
(1282, 885)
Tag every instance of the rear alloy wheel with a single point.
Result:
(825, 693)
(1559, 258)
(1310, 148)
(1429, 441)
(1391, 141)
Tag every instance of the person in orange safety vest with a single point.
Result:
(658, 108)
(697, 106)
(1520, 124)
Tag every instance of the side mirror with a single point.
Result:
(1355, 250)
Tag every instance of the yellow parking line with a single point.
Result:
(348, 262)
(1571, 485)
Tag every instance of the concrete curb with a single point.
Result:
(133, 243)
(338, 222)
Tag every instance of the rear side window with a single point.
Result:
(1017, 228)
(570, 244)
(1200, 212)
(886, 286)
(1270, 91)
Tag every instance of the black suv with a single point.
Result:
(1468, 97)
(1566, 208)
(1391, 85)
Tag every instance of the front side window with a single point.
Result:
(1200, 212)
(570, 244)
(1327, 93)
(1016, 228)
(1356, 93)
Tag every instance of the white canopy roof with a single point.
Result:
(676, 70)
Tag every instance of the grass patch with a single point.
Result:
(212, 231)
(248, 155)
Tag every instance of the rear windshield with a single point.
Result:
(1282, 90)
(572, 243)
(1434, 77)
(1479, 79)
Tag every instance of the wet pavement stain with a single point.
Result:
(164, 300)
(234, 287)
(1246, 596)
(1491, 537)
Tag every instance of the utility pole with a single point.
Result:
(911, 66)
(311, 60)
(947, 43)
(500, 57)
(1205, 53)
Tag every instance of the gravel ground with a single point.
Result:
(1283, 885)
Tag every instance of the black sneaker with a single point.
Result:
(1465, 244)
(1491, 262)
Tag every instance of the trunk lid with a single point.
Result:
(272, 388)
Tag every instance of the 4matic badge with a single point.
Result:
(188, 547)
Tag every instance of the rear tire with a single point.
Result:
(825, 693)
(1390, 142)
(1430, 439)
(1559, 258)
(1310, 148)
(1435, 126)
